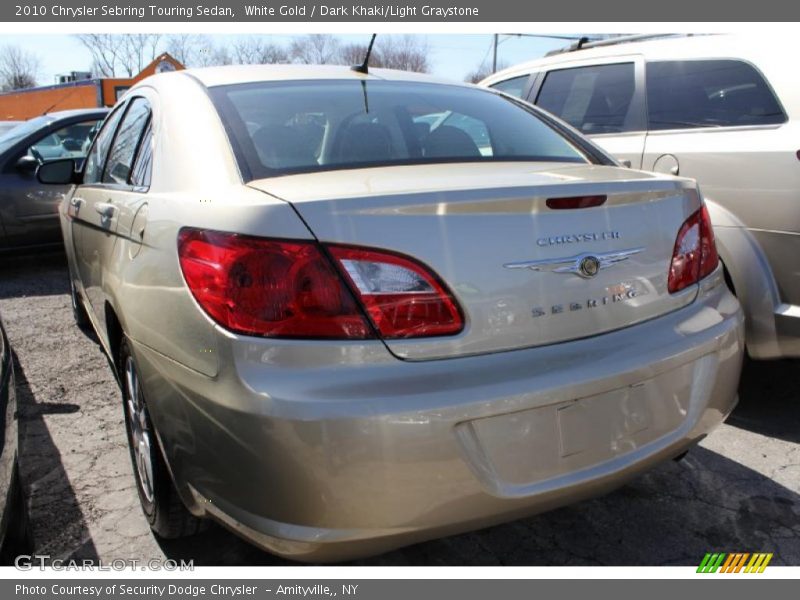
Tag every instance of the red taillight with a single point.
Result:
(268, 288)
(575, 202)
(695, 254)
(402, 297)
(290, 289)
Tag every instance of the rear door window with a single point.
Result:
(595, 99)
(708, 93)
(143, 167)
(99, 151)
(126, 143)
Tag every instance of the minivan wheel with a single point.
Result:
(78, 311)
(165, 512)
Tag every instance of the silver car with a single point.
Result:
(721, 109)
(29, 210)
(350, 312)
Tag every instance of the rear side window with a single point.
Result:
(513, 87)
(126, 142)
(97, 155)
(708, 93)
(143, 167)
(594, 99)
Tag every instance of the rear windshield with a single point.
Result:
(302, 126)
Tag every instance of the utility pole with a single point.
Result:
(494, 53)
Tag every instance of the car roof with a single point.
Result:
(78, 112)
(753, 47)
(231, 75)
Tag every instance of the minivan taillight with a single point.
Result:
(695, 254)
(291, 289)
(403, 298)
(269, 288)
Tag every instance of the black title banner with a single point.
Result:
(411, 11)
(354, 589)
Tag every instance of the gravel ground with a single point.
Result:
(738, 491)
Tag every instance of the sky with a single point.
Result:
(453, 56)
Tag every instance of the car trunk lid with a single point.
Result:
(524, 274)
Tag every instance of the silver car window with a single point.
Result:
(71, 141)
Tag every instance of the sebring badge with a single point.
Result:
(583, 265)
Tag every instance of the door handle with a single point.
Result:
(105, 209)
(74, 206)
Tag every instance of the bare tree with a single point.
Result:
(213, 56)
(189, 48)
(140, 50)
(18, 68)
(115, 55)
(483, 71)
(104, 49)
(256, 51)
(353, 54)
(406, 53)
(316, 49)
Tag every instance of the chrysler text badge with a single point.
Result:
(585, 265)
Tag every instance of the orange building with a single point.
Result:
(20, 105)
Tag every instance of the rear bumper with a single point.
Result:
(330, 451)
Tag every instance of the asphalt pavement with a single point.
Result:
(738, 491)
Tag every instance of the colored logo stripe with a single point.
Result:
(758, 563)
(734, 562)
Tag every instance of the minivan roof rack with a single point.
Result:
(585, 43)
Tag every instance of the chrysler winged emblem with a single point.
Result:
(585, 265)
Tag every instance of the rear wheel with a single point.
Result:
(18, 537)
(162, 506)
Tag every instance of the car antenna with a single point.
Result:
(57, 102)
(364, 67)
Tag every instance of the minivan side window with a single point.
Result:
(126, 142)
(513, 87)
(93, 171)
(593, 99)
(708, 93)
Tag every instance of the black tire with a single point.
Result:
(161, 504)
(78, 310)
(19, 537)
